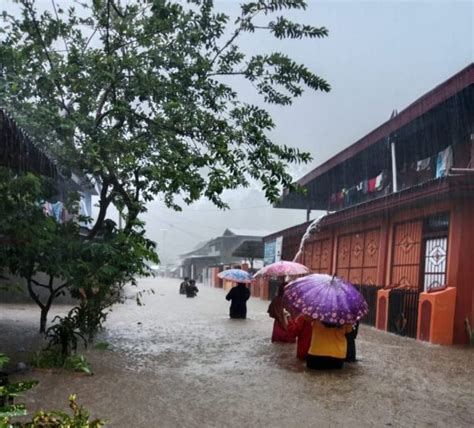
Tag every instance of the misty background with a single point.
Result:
(379, 56)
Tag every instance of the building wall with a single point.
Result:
(461, 265)
(387, 250)
(317, 253)
(357, 256)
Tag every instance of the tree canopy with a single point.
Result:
(140, 95)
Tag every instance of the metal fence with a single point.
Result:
(370, 295)
(403, 311)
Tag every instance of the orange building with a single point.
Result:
(400, 216)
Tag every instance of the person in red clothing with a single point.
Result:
(277, 310)
(301, 328)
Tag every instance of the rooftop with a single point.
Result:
(440, 118)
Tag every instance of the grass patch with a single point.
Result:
(102, 346)
(52, 359)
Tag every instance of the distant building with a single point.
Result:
(400, 210)
(212, 256)
(21, 154)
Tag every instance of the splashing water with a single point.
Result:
(313, 228)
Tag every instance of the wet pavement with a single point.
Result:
(179, 362)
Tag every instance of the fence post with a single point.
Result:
(382, 309)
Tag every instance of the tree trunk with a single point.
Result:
(104, 203)
(36, 299)
(45, 307)
(43, 319)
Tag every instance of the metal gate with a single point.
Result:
(370, 295)
(403, 311)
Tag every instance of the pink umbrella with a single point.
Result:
(282, 268)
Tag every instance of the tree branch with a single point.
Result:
(38, 284)
(99, 115)
(226, 45)
(104, 203)
(33, 295)
(60, 288)
(31, 11)
(229, 73)
(57, 17)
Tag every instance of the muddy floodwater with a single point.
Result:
(179, 362)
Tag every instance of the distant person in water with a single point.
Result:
(182, 286)
(351, 345)
(278, 312)
(191, 289)
(238, 296)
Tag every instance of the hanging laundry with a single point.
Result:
(344, 196)
(340, 199)
(47, 209)
(58, 211)
(352, 195)
(444, 162)
(365, 186)
(379, 181)
(423, 164)
(83, 208)
(371, 185)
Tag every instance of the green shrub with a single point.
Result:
(77, 363)
(80, 418)
(47, 359)
(8, 392)
(52, 358)
(102, 346)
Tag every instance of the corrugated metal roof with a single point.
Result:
(426, 102)
(249, 232)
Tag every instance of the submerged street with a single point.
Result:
(178, 362)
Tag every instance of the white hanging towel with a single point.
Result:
(379, 181)
(444, 162)
(423, 164)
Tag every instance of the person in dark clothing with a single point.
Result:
(351, 346)
(191, 289)
(182, 286)
(238, 296)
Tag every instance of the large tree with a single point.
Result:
(54, 259)
(141, 95)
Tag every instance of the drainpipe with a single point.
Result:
(394, 167)
(394, 158)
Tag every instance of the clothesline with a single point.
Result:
(435, 166)
(58, 211)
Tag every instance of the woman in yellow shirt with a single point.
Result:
(328, 346)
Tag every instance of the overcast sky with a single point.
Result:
(379, 56)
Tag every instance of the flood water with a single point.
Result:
(179, 362)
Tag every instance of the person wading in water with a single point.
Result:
(238, 296)
(182, 286)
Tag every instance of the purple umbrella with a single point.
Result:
(326, 298)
